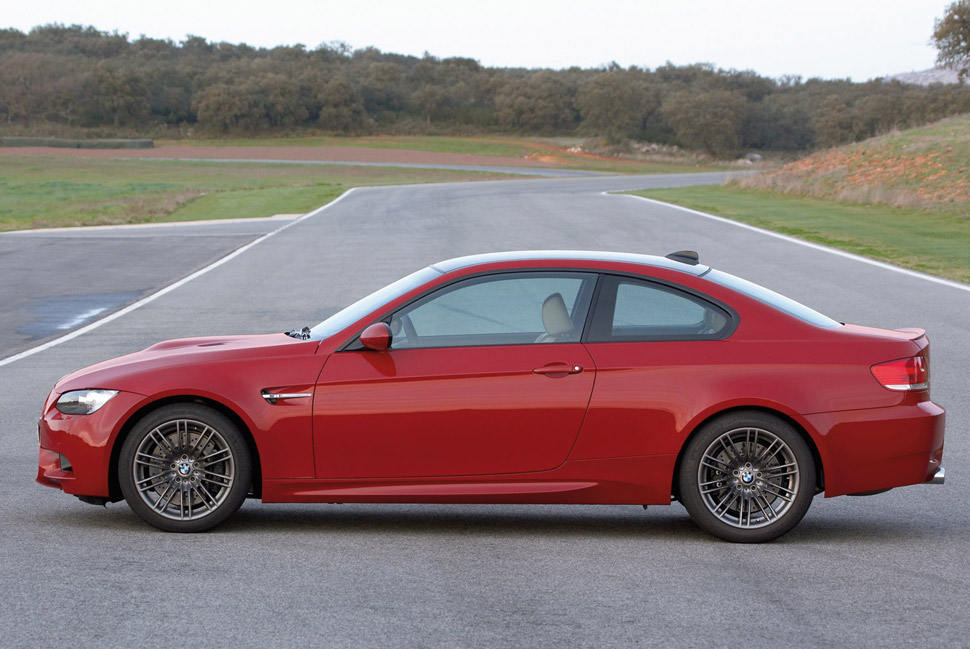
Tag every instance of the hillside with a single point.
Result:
(926, 168)
(926, 77)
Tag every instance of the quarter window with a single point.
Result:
(630, 310)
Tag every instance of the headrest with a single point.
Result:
(555, 317)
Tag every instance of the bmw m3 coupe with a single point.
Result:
(522, 377)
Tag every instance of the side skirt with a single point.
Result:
(643, 480)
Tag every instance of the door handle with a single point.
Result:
(558, 368)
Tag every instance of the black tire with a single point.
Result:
(185, 468)
(747, 477)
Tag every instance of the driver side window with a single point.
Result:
(502, 309)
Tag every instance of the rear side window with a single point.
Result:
(635, 310)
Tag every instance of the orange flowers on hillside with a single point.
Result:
(887, 170)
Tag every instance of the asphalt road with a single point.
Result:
(884, 571)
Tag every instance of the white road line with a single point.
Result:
(171, 287)
(807, 244)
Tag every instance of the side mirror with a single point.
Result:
(376, 337)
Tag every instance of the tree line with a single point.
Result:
(80, 77)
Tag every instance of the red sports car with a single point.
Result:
(528, 377)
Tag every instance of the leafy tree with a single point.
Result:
(428, 98)
(951, 35)
(833, 122)
(616, 104)
(711, 121)
(118, 92)
(539, 103)
(340, 107)
(781, 122)
(382, 87)
(35, 86)
(224, 107)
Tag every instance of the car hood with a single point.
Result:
(116, 373)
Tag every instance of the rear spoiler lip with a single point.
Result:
(916, 332)
(912, 334)
(918, 338)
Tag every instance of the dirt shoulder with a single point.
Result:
(310, 154)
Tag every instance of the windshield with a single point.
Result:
(351, 314)
(769, 297)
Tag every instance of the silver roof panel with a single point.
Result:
(450, 265)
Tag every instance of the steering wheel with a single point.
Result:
(409, 331)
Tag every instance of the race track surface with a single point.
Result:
(882, 571)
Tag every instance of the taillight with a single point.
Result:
(904, 374)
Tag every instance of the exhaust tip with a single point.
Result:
(938, 477)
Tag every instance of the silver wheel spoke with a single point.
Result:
(206, 496)
(162, 502)
(766, 509)
(150, 460)
(730, 453)
(774, 470)
(219, 456)
(726, 504)
(161, 441)
(788, 496)
(707, 459)
(151, 481)
(216, 478)
(202, 440)
(769, 451)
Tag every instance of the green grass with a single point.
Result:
(504, 147)
(935, 242)
(261, 202)
(57, 192)
(435, 144)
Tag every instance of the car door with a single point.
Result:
(485, 375)
(660, 352)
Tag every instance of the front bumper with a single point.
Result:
(75, 450)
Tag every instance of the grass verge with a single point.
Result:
(935, 242)
(43, 192)
(505, 147)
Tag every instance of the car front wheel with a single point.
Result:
(185, 468)
(747, 477)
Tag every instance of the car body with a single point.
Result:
(524, 377)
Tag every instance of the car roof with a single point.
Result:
(457, 263)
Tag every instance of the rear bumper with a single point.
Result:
(882, 448)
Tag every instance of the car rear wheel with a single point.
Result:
(185, 468)
(747, 477)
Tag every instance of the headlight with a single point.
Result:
(83, 402)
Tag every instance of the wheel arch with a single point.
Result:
(799, 428)
(114, 487)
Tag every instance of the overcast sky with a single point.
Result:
(831, 39)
